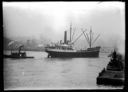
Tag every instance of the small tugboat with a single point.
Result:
(19, 54)
(114, 72)
(66, 49)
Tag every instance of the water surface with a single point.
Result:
(53, 73)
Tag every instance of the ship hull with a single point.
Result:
(73, 54)
(17, 57)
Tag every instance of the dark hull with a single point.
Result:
(114, 78)
(110, 81)
(73, 54)
(16, 57)
(91, 52)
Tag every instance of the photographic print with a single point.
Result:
(63, 45)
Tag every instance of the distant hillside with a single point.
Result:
(29, 45)
(38, 45)
(6, 42)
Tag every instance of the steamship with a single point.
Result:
(66, 48)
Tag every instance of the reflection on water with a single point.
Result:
(42, 72)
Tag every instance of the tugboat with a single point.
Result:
(114, 72)
(19, 54)
(66, 49)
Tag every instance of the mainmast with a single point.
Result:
(70, 31)
(90, 37)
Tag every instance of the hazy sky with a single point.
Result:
(51, 19)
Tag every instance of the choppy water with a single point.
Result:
(53, 73)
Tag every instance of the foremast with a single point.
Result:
(89, 38)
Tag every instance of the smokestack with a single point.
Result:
(65, 37)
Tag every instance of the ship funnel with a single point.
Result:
(65, 37)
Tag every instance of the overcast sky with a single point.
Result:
(51, 19)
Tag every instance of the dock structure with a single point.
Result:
(114, 72)
(111, 78)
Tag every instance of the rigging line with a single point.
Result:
(96, 38)
(73, 33)
(88, 38)
(92, 36)
(77, 38)
(85, 35)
